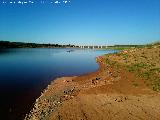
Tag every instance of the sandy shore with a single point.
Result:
(110, 93)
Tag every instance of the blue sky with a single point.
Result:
(96, 22)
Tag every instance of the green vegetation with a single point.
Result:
(107, 61)
(147, 72)
(154, 43)
(124, 47)
(137, 67)
(111, 62)
(7, 44)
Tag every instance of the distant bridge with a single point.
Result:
(92, 47)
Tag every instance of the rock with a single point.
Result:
(98, 78)
(94, 81)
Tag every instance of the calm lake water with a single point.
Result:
(24, 73)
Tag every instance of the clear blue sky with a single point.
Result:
(97, 22)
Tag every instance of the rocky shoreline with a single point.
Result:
(59, 90)
(111, 92)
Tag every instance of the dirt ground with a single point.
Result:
(110, 93)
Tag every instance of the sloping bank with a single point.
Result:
(119, 89)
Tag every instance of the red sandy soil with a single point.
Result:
(107, 94)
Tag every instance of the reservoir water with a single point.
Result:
(24, 73)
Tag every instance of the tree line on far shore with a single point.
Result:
(8, 44)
